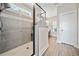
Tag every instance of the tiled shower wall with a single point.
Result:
(15, 32)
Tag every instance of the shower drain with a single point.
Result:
(27, 47)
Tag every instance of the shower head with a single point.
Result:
(4, 6)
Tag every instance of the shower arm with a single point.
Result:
(4, 6)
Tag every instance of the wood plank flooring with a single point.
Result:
(58, 49)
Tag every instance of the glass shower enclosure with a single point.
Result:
(16, 29)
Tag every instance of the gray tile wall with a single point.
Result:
(15, 33)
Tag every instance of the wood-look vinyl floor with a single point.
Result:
(58, 49)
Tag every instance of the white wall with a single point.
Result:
(52, 12)
(67, 8)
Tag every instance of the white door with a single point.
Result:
(68, 27)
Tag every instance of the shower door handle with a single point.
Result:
(0, 28)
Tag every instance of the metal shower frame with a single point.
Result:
(34, 18)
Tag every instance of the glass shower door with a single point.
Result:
(40, 22)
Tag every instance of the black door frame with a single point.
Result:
(34, 25)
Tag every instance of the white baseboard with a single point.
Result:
(76, 46)
(69, 44)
